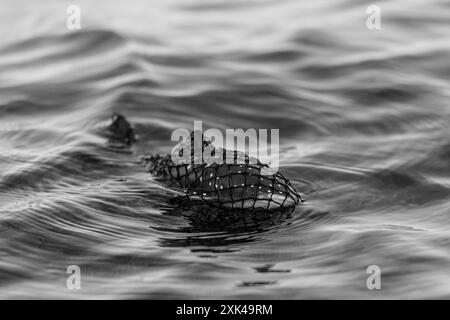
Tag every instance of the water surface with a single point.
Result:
(364, 133)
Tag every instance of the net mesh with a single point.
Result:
(236, 185)
(203, 219)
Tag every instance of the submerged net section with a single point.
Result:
(236, 185)
(204, 218)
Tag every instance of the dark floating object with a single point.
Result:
(121, 133)
(239, 185)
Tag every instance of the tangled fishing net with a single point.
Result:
(240, 184)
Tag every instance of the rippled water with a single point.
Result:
(364, 133)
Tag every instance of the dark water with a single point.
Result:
(364, 133)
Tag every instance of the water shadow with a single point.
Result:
(212, 227)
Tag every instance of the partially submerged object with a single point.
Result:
(241, 184)
(120, 132)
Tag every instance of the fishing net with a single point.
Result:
(203, 219)
(240, 184)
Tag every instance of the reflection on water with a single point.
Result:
(212, 227)
(364, 136)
